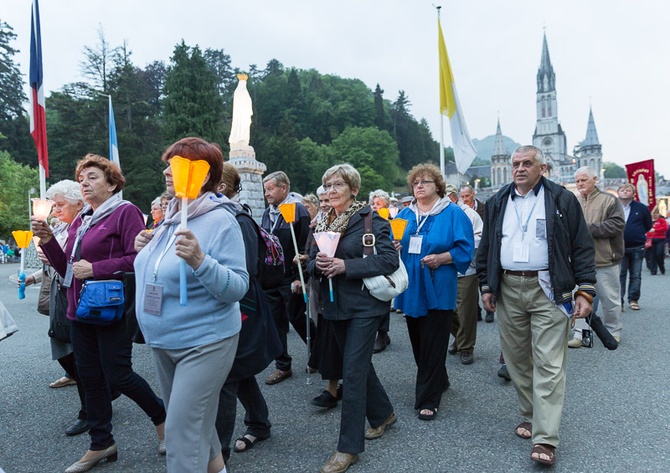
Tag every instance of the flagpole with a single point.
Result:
(442, 163)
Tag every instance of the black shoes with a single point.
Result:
(503, 373)
(382, 341)
(489, 317)
(79, 427)
(325, 400)
(467, 358)
(453, 349)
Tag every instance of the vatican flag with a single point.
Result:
(464, 150)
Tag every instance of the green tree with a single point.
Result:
(14, 125)
(613, 171)
(15, 180)
(192, 105)
(380, 110)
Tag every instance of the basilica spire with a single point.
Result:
(499, 146)
(591, 133)
(546, 79)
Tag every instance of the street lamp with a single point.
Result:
(30, 203)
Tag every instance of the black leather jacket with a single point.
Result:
(571, 250)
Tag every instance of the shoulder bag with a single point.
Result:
(382, 287)
(101, 302)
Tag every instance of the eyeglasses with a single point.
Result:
(422, 183)
(338, 186)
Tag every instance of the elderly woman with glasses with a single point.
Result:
(354, 313)
(438, 244)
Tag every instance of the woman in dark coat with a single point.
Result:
(354, 314)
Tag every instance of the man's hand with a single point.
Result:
(488, 300)
(583, 307)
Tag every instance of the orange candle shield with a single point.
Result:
(22, 237)
(188, 176)
(398, 226)
(288, 212)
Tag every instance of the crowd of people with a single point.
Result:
(542, 258)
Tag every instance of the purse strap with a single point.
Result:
(368, 236)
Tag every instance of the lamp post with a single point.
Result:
(31, 191)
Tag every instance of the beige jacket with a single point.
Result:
(606, 221)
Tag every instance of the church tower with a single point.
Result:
(501, 162)
(589, 152)
(549, 135)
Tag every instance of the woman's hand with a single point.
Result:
(30, 280)
(82, 269)
(397, 245)
(41, 230)
(329, 267)
(436, 260)
(142, 239)
(188, 248)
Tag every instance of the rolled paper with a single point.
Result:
(398, 226)
(183, 292)
(42, 208)
(188, 176)
(22, 237)
(383, 213)
(288, 212)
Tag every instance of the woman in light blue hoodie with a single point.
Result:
(194, 345)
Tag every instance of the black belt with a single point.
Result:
(526, 274)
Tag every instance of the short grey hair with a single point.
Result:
(381, 194)
(468, 188)
(586, 170)
(279, 178)
(347, 172)
(321, 191)
(156, 202)
(311, 198)
(539, 155)
(69, 189)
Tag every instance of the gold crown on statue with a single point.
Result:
(242, 76)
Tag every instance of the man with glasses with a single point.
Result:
(535, 249)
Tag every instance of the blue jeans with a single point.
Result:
(632, 262)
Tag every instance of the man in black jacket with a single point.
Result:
(286, 300)
(535, 249)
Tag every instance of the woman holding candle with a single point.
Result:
(194, 345)
(100, 244)
(354, 314)
(437, 244)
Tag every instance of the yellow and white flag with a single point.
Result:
(464, 150)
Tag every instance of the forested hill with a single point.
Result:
(303, 121)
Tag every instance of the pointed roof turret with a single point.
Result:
(591, 133)
(499, 148)
(546, 79)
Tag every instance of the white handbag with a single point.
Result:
(383, 287)
(7, 324)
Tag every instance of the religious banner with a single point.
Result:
(641, 175)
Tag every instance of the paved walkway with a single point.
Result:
(616, 418)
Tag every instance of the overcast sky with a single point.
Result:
(611, 54)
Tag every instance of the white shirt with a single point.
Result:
(525, 250)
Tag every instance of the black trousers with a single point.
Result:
(68, 364)
(288, 307)
(429, 336)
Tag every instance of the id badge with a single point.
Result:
(69, 274)
(415, 245)
(521, 252)
(153, 298)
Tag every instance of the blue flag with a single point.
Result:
(113, 143)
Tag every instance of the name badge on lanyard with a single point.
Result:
(153, 298)
(415, 244)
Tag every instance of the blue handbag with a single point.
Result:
(101, 302)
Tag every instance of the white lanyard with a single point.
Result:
(524, 227)
(425, 217)
(162, 255)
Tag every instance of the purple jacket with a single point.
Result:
(109, 245)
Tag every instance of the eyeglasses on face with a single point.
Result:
(422, 183)
(338, 186)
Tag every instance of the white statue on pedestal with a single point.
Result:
(242, 112)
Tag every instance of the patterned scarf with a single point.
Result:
(334, 223)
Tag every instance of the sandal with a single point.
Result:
(248, 443)
(524, 430)
(432, 413)
(634, 306)
(543, 449)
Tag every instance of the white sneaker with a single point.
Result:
(575, 343)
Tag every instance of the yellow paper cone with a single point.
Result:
(22, 237)
(188, 176)
(180, 168)
(383, 213)
(398, 226)
(288, 212)
(199, 170)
